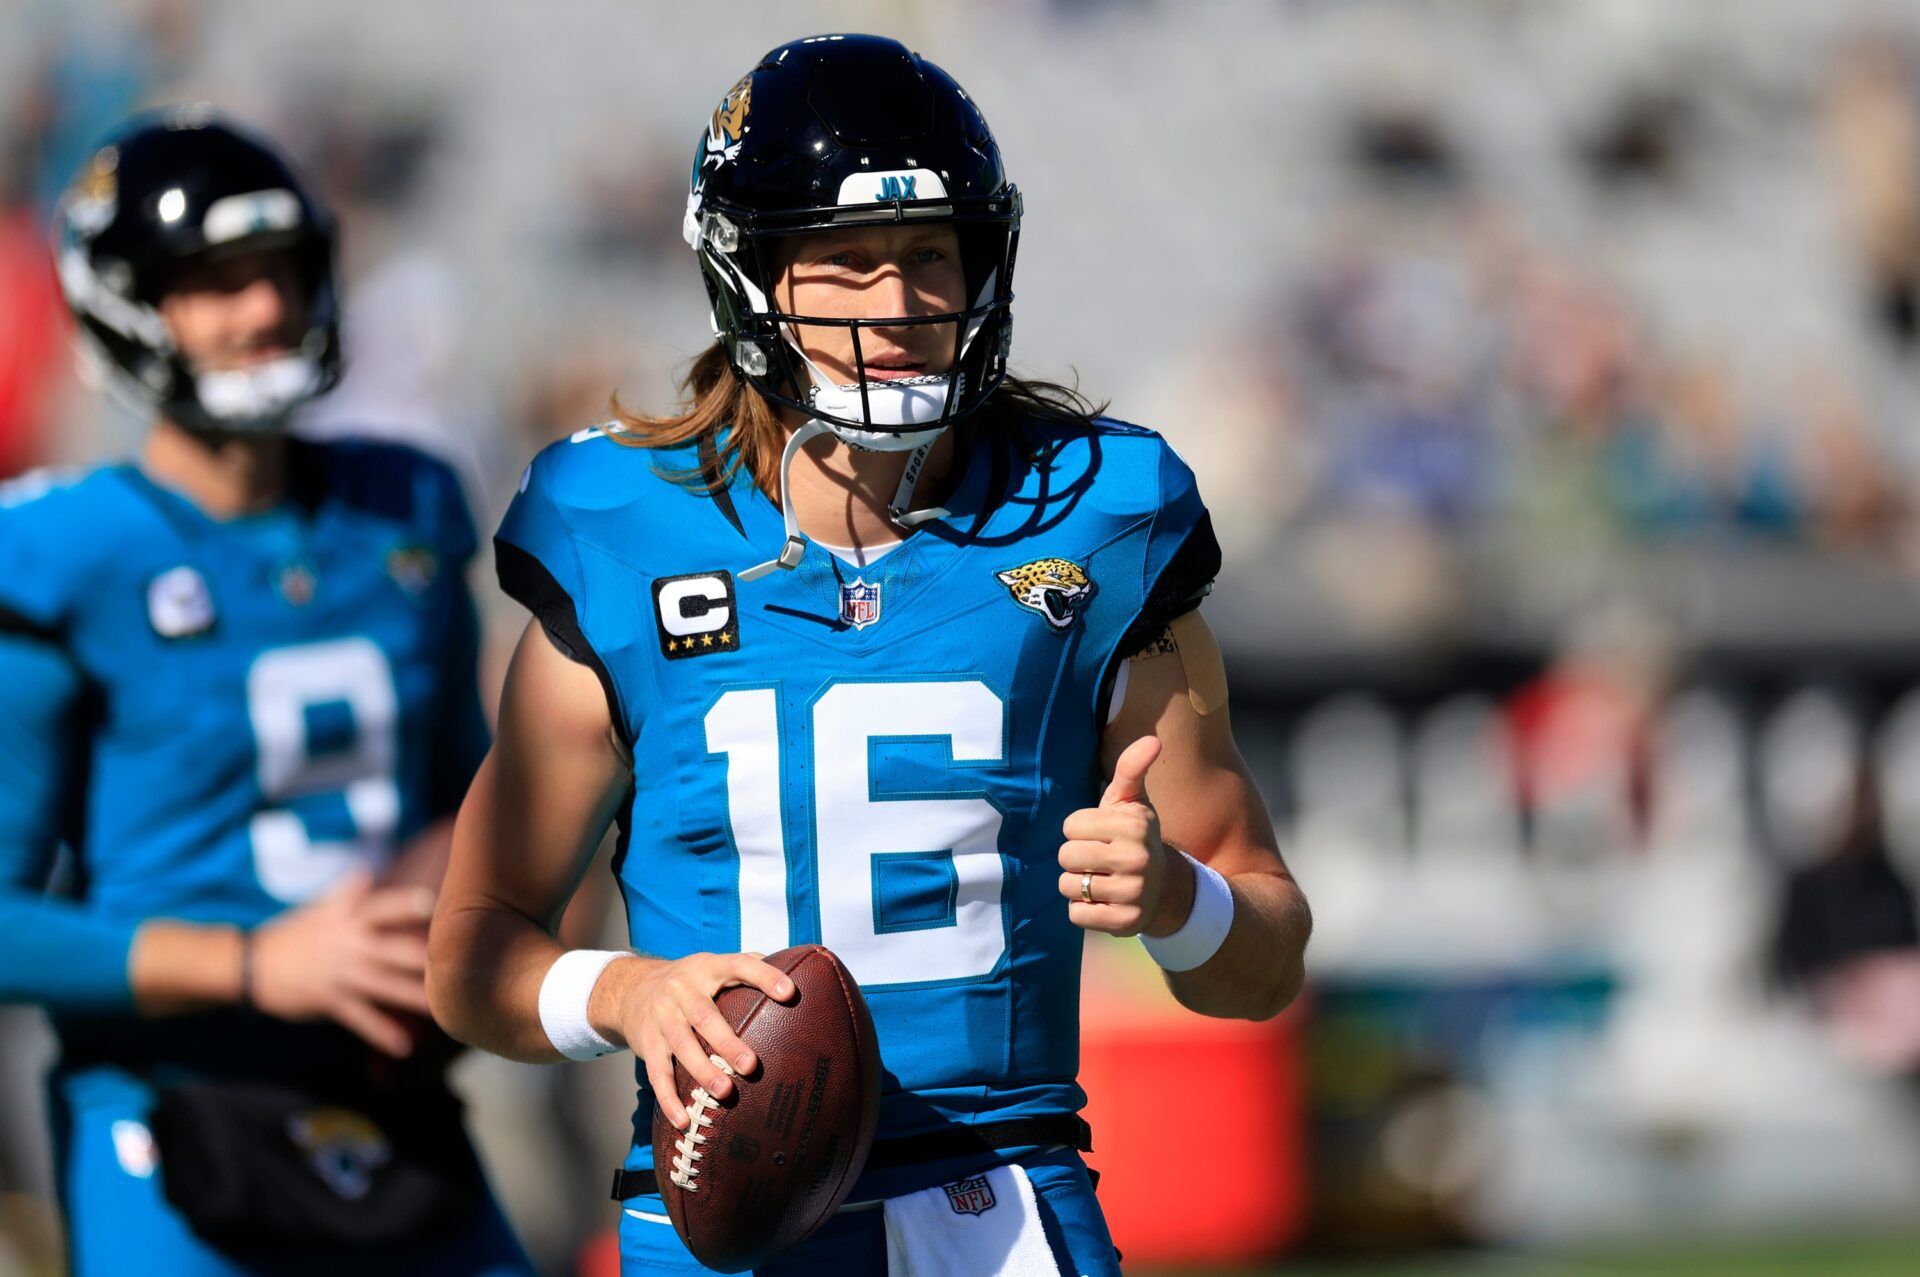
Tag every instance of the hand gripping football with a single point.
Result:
(758, 1171)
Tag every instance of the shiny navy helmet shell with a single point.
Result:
(179, 185)
(839, 130)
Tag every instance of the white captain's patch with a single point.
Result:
(696, 614)
(134, 1149)
(179, 604)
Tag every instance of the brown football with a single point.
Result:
(775, 1159)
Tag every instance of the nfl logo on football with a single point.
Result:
(859, 604)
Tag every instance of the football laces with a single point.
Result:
(686, 1149)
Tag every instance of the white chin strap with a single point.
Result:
(250, 398)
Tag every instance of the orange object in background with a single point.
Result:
(600, 1257)
(33, 336)
(1199, 1128)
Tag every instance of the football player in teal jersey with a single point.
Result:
(966, 712)
(237, 681)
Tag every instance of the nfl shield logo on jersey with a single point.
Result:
(859, 604)
(971, 1196)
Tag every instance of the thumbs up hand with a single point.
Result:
(1115, 871)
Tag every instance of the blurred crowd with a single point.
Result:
(1571, 352)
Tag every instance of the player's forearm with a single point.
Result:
(58, 954)
(1260, 967)
(484, 967)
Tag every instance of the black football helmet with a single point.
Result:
(177, 185)
(839, 129)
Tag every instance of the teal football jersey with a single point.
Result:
(878, 760)
(257, 706)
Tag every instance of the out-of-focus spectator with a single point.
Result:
(1873, 132)
(1848, 936)
(1581, 732)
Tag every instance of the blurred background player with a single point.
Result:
(933, 691)
(237, 680)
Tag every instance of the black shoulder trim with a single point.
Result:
(1187, 579)
(12, 622)
(527, 580)
(710, 471)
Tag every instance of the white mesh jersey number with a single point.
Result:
(284, 687)
(855, 831)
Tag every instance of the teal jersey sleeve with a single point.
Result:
(1182, 554)
(539, 561)
(537, 555)
(44, 542)
(1157, 556)
(52, 951)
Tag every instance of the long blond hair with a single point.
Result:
(715, 397)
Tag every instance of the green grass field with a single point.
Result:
(1814, 1257)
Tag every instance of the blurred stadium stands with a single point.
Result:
(1553, 371)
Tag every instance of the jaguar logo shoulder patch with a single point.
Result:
(696, 614)
(413, 567)
(1058, 589)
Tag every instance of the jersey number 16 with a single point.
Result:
(861, 838)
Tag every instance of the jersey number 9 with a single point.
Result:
(325, 726)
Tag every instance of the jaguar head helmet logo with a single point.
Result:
(729, 122)
(1059, 590)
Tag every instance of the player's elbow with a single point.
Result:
(448, 994)
(1279, 994)
(1281, 979)
(1290, 974)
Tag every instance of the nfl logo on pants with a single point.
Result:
(970, 1196)
(859, 604)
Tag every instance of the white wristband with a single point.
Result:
(1206, 927)
(563, 1002)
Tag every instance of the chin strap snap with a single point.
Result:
(789, 558)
